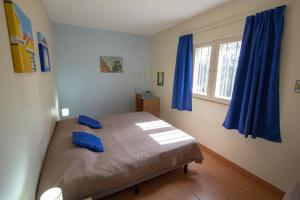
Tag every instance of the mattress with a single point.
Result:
(137, 146)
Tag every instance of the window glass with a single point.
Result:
(227, 65)
(201, 70)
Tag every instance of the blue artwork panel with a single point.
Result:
(44, 53)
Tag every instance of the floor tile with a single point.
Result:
(211, 180)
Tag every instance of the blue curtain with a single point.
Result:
(254, 107)
(183, 78)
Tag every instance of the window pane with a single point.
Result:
(227, 64)
(201, 70)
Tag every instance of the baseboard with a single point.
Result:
(244, 171)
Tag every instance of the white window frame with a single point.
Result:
(214, 61)
(204, 44)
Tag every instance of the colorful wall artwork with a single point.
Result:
(21, 38)
(111, 64)
(44, 52)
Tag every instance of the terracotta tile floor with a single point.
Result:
(212, 180)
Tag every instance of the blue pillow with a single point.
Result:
(90, 122)
(88, 141)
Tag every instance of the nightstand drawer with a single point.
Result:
(139, 100)
(149, 104)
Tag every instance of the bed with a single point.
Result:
(138, 146)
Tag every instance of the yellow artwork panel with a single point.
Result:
(21, 38)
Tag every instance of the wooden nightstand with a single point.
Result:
(147, 103)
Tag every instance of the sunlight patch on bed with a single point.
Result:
(153, 125)
(169, 137)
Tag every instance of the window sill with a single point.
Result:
(218, 101)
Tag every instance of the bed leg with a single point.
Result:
(136, 189)
(185, 168)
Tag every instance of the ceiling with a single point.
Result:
(143, 17)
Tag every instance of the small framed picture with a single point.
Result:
(297, 86)
(111, 64)
(160, 78)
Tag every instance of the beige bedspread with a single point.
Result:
(137, 146)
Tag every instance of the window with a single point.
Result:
(215, 66)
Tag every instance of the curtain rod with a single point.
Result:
(220, 24)
(217, 25)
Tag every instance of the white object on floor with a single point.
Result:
(52, 194)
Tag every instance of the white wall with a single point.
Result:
(28, 111)
(276, 163)
(82, 88)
